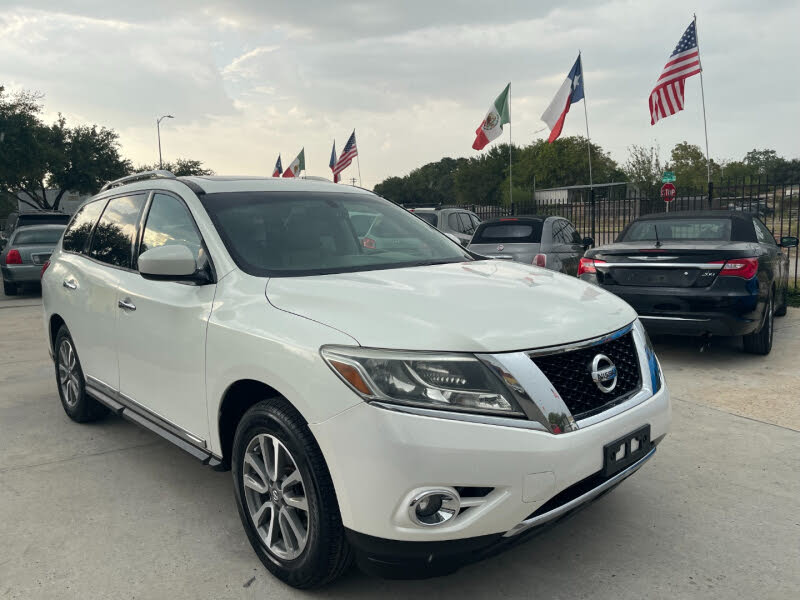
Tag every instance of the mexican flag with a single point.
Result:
(492, 125)
(298, 164)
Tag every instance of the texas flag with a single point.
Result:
(332, 164)
(570, 91)
(278, 168)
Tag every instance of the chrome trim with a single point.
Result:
(654, 257)
(126, 304)
(655, 318)
(521, 374)
(548, 350)
(714, 266)
(481, 419)
(451, 506)
(634, 399)
(572, 504)
(122, 404)
(143, 176)
(70, 284)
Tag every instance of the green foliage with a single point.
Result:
(35, 156)
(430, 184)
(182, 167)
(643, 167)
(793, 298)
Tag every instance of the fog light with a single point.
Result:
(434, 507)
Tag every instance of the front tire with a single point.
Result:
(78, 405)
(760, 342)
(285, 497)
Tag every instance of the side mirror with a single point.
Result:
(789, 241)
(588, 242)
(168, 263)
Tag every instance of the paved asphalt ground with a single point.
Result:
(111, 511)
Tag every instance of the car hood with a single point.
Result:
(482, 306)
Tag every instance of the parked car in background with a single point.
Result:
(35, 217)
(458, 222)
(368, 404)
(26, 252)
(698, 273)
(545, 241)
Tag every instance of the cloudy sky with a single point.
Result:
(249, 79)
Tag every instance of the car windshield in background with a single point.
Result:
(50, 235)
(679, 229)
(510, 232)
(313, 233)
(430, 217)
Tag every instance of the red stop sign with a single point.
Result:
(668, 192)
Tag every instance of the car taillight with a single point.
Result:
(540, 260)
(13, 257)
(44, 268)
(368, 243)
(587, 265)
(745, 268)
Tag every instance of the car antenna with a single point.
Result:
(658, 241)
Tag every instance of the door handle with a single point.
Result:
(126, 304)
(70, 284)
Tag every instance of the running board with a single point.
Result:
(127, 408)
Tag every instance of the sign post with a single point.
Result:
(668, 193)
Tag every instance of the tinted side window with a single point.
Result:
(475, 221)
(455, 223)
(558, 232)
(168, 224)
(466, 223)
(77, 234)
(112, 241)
(572, 233)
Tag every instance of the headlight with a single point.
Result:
(652, 361)
(458, 382)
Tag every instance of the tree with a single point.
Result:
(182, 167)
(643, 167)
(689, 164)
(34, 156)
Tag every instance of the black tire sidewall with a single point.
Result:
(77, 412)
(267, 417)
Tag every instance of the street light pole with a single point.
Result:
(158, 129)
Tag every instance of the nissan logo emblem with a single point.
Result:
(604, 373)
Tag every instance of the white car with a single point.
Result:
(415, 409)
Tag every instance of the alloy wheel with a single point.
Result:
(275, 495)
(68, 373)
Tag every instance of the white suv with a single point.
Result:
(414, 408)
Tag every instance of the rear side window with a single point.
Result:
(455, 223)
(430, 217)
(170, 224)
(466, 223)
(78, 232)
(38, 236)
(763, 234)
(112, 241)
(511, 232)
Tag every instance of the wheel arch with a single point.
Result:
(237, 400)
(56, 321)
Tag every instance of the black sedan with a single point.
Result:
(698, 273)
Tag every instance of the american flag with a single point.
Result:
(346, 157)
(667, 96)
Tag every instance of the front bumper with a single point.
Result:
(379, 459)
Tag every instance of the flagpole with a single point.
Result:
(586, 117)
(510, 179)
(358, 162)
(703, 96)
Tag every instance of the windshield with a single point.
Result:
(512, 231)
(38, 236)
(312, 233)
(679, 229)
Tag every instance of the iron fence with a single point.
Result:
(602, 213)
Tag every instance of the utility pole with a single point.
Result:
(353, 181)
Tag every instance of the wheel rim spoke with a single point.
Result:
(273, 484)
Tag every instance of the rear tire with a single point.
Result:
(289, 511)
(760, 342)
(78, 405)
(9, 289)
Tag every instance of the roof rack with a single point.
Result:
(143, 176)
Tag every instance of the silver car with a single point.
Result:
(546, 241)
(27, 250)
(459, 223)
